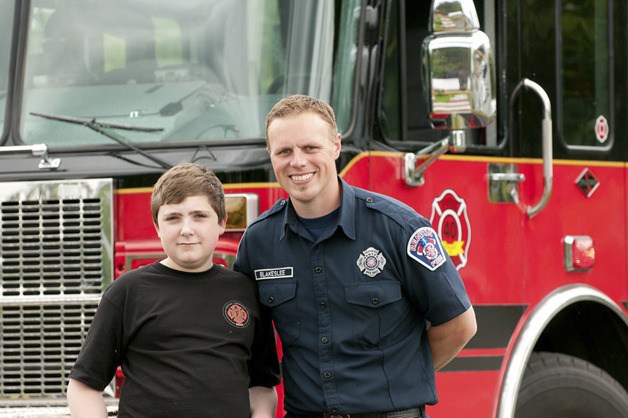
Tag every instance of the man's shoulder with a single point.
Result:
(231, 274)
(389, 208)
(270, 215)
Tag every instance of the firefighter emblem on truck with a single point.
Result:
(450, 219)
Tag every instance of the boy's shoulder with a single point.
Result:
(141, 271)
(132, 278)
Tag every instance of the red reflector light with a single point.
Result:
(579, 252)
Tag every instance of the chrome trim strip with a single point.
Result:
(47, 300)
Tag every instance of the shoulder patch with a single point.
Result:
(425, 247)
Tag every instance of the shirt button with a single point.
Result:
(324, 340)
(334, 409)
(271, 299)
(327, 375)
(375, 301)
(323, 305)
(318, 269)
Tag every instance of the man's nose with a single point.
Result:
(298, 158)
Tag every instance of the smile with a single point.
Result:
(302, 177)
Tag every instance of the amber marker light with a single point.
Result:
(579, 252)
(242, 210)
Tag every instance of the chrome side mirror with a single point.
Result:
(458, 68)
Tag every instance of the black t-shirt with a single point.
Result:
(190, 344)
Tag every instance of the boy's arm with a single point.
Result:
(263, 401)
(85, 401)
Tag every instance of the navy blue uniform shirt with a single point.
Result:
(352, 308)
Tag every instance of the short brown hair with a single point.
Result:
(185, 180)
(298, 104)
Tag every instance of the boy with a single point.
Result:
(188, 333)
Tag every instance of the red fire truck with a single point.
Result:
(504, 122)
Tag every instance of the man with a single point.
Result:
(187, 332)
(366, 302)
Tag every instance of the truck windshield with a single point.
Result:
(6, 29)
(201, 70)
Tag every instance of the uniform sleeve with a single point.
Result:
(264, 363)
(241, 263)
(430, 276)
(101, 352)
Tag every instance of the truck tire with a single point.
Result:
(559, 386)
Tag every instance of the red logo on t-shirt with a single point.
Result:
(236, 314)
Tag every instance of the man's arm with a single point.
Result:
(85, 401)
(446, 340)
(263, 401)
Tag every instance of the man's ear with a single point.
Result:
(337, 145)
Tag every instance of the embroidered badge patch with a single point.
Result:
(425, 247)
(236, 314)
(371, 262)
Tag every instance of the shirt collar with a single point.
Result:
(346, 218)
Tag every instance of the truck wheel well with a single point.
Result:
(592, 332)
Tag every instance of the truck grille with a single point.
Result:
(56, 258)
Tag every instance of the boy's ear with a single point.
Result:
(223, 225)
(156, 227)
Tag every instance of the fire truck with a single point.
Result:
(505, 123)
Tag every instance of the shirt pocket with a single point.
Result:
(280, 297)
(376, 310)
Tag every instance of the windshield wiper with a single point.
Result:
(105, 129)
